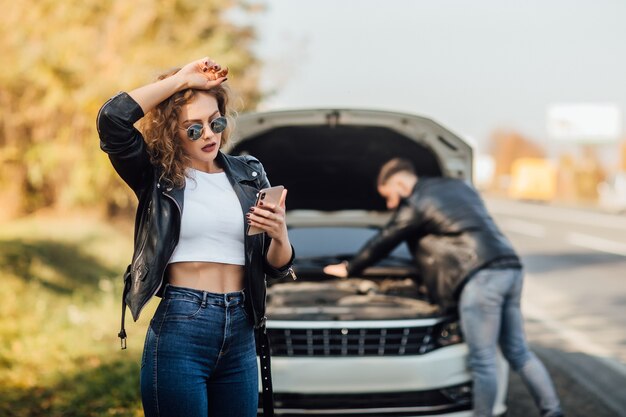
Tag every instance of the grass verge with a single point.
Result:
(59, 318)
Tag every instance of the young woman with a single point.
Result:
(191, 246)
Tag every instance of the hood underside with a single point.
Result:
(330, 165)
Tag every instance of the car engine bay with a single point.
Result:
(348, 299)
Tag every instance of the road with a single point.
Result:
(574, 303)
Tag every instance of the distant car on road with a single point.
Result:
(371, 345)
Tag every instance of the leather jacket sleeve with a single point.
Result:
(404, 223)
(123, 143)
(283, 271)
(269, 270)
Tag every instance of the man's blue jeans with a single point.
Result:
(199, 357)
(490, 316)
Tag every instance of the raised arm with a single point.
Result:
(115, 122)
(201, 74)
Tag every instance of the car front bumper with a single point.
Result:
(436, 383)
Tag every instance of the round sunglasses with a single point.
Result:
(196, 130)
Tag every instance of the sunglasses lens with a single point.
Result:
(218, 125)
(194, 132)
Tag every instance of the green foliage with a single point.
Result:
(59, 318)
(62, 60)
(109, 389)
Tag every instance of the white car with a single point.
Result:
(370, 345)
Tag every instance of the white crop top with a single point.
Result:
(212, 225)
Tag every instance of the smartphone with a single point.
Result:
(270, 196)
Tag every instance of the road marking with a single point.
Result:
(575, 338)
(523, 227)
(596, 243)
(557, 214)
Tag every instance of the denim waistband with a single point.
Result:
(220, 299)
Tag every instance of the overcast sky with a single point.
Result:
(474, 66)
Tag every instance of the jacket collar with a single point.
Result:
(241, 176)
(237, 168)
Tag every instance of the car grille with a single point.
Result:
(411, 403)
(351, 341)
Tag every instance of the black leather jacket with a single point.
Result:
(449, 232)
(157, 222)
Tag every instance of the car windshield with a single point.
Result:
(330, 244)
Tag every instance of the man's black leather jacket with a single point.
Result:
(157, 221)
(449, 232)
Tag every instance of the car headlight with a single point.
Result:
(449, 333)
(443, 334)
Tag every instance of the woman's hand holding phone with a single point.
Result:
(268, 215)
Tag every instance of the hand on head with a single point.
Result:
(203, 74)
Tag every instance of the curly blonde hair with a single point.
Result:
(160, 129)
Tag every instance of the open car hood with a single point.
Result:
(329, 159)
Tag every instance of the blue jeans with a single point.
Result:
(490, 316)
(199, 357)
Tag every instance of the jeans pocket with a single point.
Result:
(181, 309)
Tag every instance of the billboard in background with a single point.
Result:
(584, 122)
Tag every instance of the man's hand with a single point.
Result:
(338, 270)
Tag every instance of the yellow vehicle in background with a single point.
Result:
(533, 179)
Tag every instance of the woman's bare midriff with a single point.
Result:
(206, 276)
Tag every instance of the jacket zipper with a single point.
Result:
(143, 240)
(180, 213)
(292, 273)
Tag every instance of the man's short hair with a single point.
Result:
(392, 167)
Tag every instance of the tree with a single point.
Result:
(62, 60)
